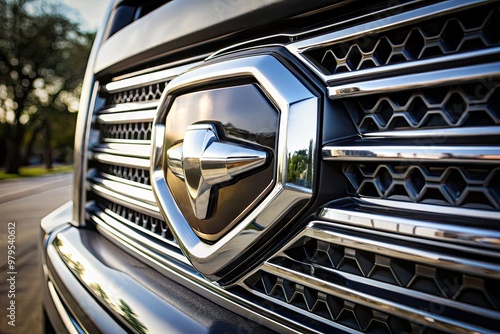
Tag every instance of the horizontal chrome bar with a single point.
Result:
(122, 180)
(143, 195)
(62, 311)
(121, 160)
(126, 141)
(472, 213)
(417, 80)
(418, 316)
(129, 107)
(456, 234)
(127, 117)
(374, 27)
(316, 230)
(473, 154)
(128, 150)
(134, 204)
(439, 132)
(148, 79)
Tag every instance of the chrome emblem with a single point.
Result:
(203, 160)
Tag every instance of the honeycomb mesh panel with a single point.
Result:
(127, 131)
(465, 185)
(469, 30)
(466, 105)
(445, 283)
(332, 308)
(141, 94)
(128, 173)
(143, 221)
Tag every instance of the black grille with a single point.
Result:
(466, 185)
(449, 284)
(127, 173)
(152, 224)
(329, 307)
(469, 30)
(474, 104)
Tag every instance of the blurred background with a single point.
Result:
(44, 46)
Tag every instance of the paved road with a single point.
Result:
(25, 201)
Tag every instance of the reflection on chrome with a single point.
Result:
(91, 280)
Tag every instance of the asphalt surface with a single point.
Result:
(24, 202)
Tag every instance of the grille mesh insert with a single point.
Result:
(471, 186)
(469, 30)
(449, 284)
(141, 94)
(127, 173)
(127, 131)
(347, 313)
(152, 224)
(474, 104)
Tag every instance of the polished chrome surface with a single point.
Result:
(473, 154)
(128, 107)
(417, 80)
(483, 131)
(63, 313)
(121, 160)
(128, 117)
(204, 161)
(147, 79)
(298, 126)
(360, 31)
(465, 235)
(130, 150)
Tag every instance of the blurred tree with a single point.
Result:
(42, 61)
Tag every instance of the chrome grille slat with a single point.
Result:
(121, 160)
(138, 194)
(127, 117)
(423, 228)
(124, 149)
(416, 80)
(134, 204)
(127, 107)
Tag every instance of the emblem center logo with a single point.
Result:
(203, 161)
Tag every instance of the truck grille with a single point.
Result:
(406, 238)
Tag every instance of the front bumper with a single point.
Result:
(90, 285)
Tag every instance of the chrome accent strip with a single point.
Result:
(122, 180)
(126, 141)
(364, 29)
(465, 235)
(297, 129)
(121, 161)
(137, 205)
(415, 207)
(416, 80)
(473, 154)
(61, 310)
(128, 117)
(470, 266)
(144, 195)
(148, 79)
(399, 310)
(438, 132)
(128, 150)
(128, 107)
(113, 221)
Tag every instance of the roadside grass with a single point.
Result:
(31, 171)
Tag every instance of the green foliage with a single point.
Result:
(42, 61)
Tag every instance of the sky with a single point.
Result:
(89, 13)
